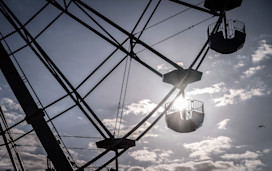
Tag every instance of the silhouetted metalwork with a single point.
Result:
(222, 5)
(229, 38)
(34, 115)
(186, 120)
(106, 143)
(186, 76)
(225, 36)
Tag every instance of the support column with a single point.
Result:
(34, 115)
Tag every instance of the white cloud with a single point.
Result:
(144, 155)
(202, 165)
(29, 143)
(241, 146)
(163, 155)
(110, 123)
(253, 164)
(263, 52)
(223, 124)
(92, 146)
(136, 168)
(163, 67)
(267, 150)
(33, 161)
(143, 107)
(251, 71)
(241, 57)
(205, 148)
(124, 128)
(239, 65)
(157, 155)
(246, 155)
(7, 102)
(4, 109)
(238, 95)
(216, 88)
(139, 130)
(13, 117)
(180, 63)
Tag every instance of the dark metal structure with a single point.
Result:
(34, 115)
(222, 5)
(229, 38)
(180, 121)
(187, 120)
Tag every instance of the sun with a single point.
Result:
(180, 104)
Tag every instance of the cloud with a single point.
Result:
(251, 71)
(29, 143)
(267, 150)
(202, 166)
(163, 67)
(246, 155)
(13, 117)
(7, 102)
(110, 123)
(144, 155)
(157, 155)
(140, 130)
(125, 128)
(253, 164)
(180, 63)
(31, 161)
(163, 155)
(136, 168)
(263, 52)
(223, 124)
(239, 65)
(205, 148)
(238, 95)
(92, 145)
(143, 107)
(216, 88)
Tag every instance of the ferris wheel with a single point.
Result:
(225, 36)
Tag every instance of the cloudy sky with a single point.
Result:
(235, 88)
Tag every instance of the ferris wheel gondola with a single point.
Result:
(186, 120)
(229, 38)
(230, 35)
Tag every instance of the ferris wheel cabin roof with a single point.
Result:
(108, 142)
(186, 76)
(219, 5)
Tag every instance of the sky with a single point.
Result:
(236, 88)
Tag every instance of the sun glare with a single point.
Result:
(180, 104)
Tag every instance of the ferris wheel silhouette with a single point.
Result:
(225, 36)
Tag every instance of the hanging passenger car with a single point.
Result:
(229, 38)
(185, 120)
